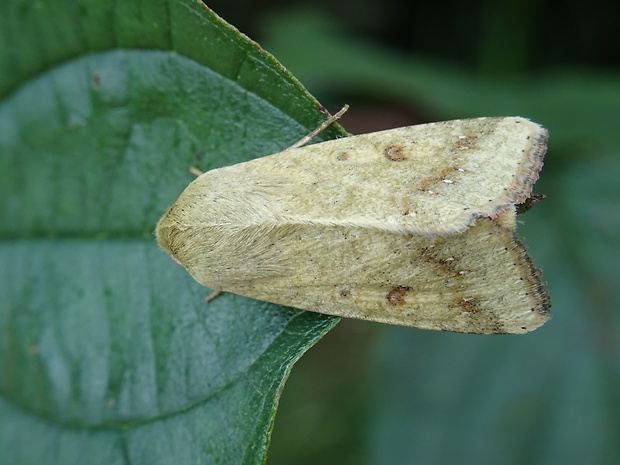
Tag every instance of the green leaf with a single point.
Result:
(107, 348)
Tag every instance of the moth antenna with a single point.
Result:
(304, 140)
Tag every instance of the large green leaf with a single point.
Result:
(108, 352)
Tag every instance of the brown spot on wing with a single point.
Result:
(343, 156)
(464, 146)
(396, 295)
(394, 153)
(444, 265)
(425, 184)
(469, 305)
(465, 142)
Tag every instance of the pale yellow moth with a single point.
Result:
(412, 226)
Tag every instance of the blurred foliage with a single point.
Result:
(421, 397)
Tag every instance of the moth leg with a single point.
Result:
(304, 140)
(529, 203)
(211, 297)
(195, 171)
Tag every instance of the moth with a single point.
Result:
(414, 226)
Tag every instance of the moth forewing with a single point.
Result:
(412, 226)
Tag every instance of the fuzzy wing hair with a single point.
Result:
(479, 281)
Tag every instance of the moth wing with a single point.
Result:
(428, 179)
(480, 281)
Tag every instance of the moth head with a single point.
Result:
(170, 236)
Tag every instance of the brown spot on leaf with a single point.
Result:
(95, 81)
(396, 295)
(394, 153)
